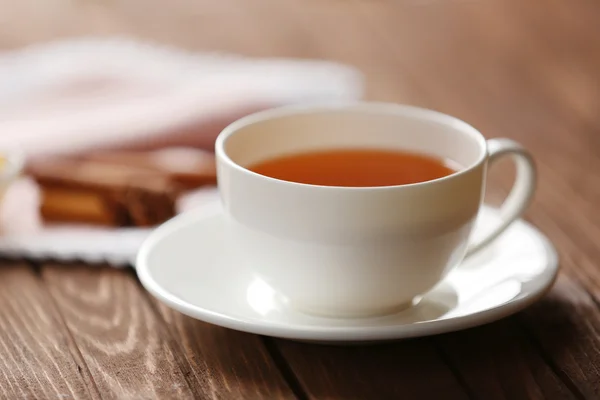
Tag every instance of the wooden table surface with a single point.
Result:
(524, 69)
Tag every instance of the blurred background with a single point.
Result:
(525, 69)
(506, 61)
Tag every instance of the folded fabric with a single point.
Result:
(74, 96)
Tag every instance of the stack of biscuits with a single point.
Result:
(119, 189)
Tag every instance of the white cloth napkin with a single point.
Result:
(74, 96)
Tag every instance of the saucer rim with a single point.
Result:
(263, 326)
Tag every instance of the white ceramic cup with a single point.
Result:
(359, 251)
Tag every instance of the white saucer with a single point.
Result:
(189, 264)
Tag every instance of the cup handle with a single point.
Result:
(521, 193)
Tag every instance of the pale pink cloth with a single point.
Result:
(78, 95)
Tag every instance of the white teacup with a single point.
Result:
(359, 251)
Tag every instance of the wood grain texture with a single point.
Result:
(566, 324)
(38, 358)
(225, 364)
(499, 361)
(404, 370)
(127, 349)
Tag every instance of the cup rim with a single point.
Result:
(359, 106)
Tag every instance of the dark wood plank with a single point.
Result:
(226, 364)
(408, 370)
(499, 361)
(567, 326)
(39, 359)
(127, 348)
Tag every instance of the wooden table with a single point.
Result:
(525, 69)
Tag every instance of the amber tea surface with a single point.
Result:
(355, 167)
